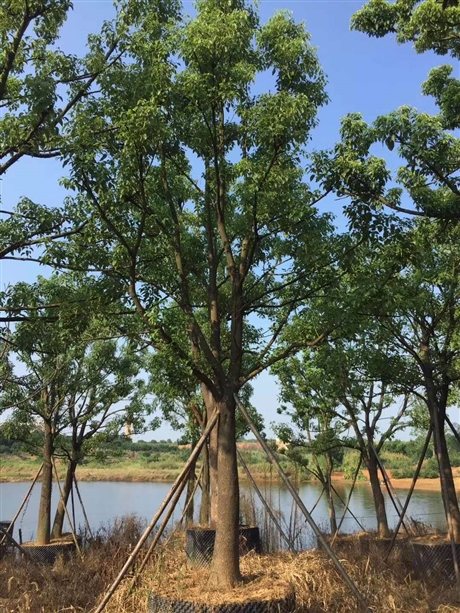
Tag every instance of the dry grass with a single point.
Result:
(77, 587)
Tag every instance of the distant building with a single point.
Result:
(280, 446)
(129, 431)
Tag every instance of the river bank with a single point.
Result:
(14, 470)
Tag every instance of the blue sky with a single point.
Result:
(370, 76)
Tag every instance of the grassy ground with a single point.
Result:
(78, 586)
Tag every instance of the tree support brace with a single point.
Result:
(267, 507)
(411, 491)
(274, 460)
(21, 506)
(177, 483)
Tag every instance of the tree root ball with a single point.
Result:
(199, 543)
(47, 554)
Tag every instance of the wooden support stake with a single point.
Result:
(411, 490)
(355, 478)
(185, 508)
(77, 489)
(274, 460)
(350, 511)
(72, 528)
(189, 502)
(161, 529)
(267, 507)
(21, 506)
(195, 453)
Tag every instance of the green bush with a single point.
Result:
(430, 470)
(401, 466)
(350, 464)
(455, 459)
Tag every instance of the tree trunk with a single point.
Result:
(330, 495)
(213, 456)
(379, 501)
(205, 508)
(449, 495)
(60, 511)
(225, 568)
(44, 513)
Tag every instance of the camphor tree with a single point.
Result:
(347, 382)
(71, 382)
(104, 392)
(193, 188)
(40, 84)
(315, 440)
(418, 307)
(427, 180)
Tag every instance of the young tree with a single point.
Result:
(313, 445)
(418, 308)
(103, 392)
(346, 382)
(71, 380)
(193, 187)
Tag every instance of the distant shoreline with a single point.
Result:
(129, 475)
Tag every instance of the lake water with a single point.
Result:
(105, 501)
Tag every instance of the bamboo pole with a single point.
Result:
(21, 506)
(355, 478)
(454, 431)
(195, 453)
(72, 528)
(274, 460)
(267, 507)
(350, 511)
(189, 502)
(77, 489)
(186, 507)
(411, 490)
(161, 529)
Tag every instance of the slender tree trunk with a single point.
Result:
(330, 496)
(205, 507)
(213, 457)
(449, 495)
(379, 500)
(226, 569)
(60, 511)
(44, 512)
(437, 396)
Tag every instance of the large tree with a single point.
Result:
(192, 182)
